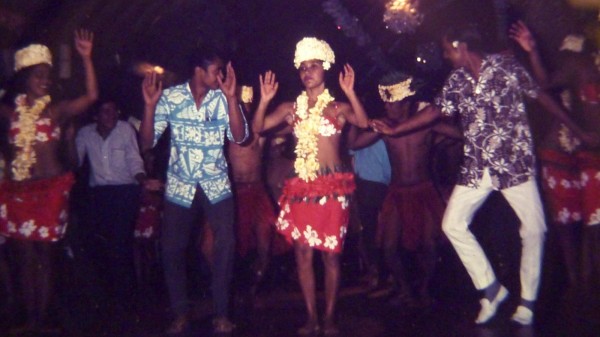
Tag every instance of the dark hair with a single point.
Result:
(17, 84)
(104, 100)
(468, 33)
(203, 57)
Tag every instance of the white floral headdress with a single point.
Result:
(396, 92)
(32, 55)
(573, 43)
(310, 48)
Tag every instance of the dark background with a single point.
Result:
(259, 35)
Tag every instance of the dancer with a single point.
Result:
(498, 155)
(314, 204)
(199, 112)
(34, 198)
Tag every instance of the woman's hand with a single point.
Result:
(84, 41)
(228, 86)
(151, 89)
(347, 79)
(268, 86)
(522, 35)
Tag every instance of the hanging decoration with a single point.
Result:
(402, 16)
(351, 27)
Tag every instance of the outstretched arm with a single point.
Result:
(357, 139)
(421, 119)
(84, 41)
(357, 114)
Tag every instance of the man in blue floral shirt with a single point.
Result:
(488, 92)
(199, 113)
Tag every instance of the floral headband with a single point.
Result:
(310, 48)
(32, 55)
(396, 92)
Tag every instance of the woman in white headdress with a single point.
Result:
(314, 203)
(34, 197)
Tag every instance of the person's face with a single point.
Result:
(108, 115)
(38, 82)
(211, 74)
(311, 73)
(453, 54)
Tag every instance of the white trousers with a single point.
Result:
(525, 201)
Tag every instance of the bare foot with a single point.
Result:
(330, 328)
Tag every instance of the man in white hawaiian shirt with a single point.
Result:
(488, 91)
(199, 113)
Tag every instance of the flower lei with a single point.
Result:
(307, 131)
(25, 138)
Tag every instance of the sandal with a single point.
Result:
(222, 325)
(179, 325)
(309, 329)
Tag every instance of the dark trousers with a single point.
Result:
(178, 227)
(369, 197)
(113, 210)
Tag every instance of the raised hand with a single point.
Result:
(228, 86)
(268, 86)
(151, 89)
(84, 41)
(347, 79)
(522, 35)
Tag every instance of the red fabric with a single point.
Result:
(316, 213)
(590, 93)
(561, 186)
(147, 225)
(255, 213)
(589, 165)
(45, 130)
(35, 210)
(418, 211)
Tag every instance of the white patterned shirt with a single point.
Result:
(494, 120)
(197, 141)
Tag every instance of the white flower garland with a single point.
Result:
(307, 131)
(25, 138)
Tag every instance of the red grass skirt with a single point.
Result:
(316, 213)
(417, 209)
(35, 210)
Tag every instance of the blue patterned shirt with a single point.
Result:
(493, 119)
(196, 144)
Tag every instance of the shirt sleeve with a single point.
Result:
(80, 145)
(225, 106)
(447, 99)
(132, 155)
(527, 84)
(161, 117)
